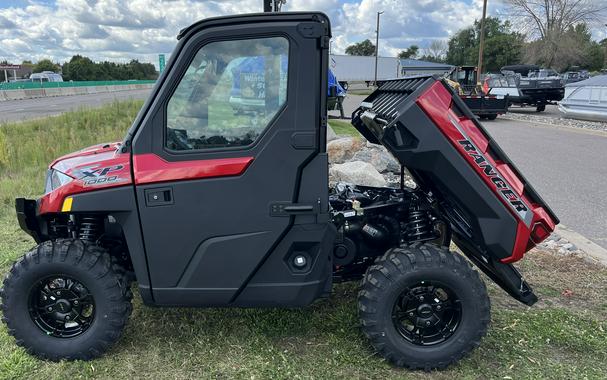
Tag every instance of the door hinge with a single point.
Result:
(325, 42)
(311, 29)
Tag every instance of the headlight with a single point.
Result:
(55, 179)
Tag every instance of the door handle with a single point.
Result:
(288, 209)
(158, 196)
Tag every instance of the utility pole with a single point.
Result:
(273, 5)
(479, 67)
(376, 47)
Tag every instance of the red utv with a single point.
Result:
(203, 206)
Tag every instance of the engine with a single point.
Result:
(370, 220)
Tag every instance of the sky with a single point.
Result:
(121, 30)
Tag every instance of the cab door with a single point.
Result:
(230, 165)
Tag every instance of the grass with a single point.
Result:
(563, 336)
(343, 128)
(366, 91)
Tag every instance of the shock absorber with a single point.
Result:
(90, 228)
(419, 225)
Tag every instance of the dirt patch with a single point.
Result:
(564, 281)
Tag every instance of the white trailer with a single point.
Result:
(354, 68)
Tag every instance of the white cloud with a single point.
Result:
(121, 30)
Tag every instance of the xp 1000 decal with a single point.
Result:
(98, 175)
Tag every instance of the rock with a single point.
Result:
(568, 246)
(550, 244)
(379, 157)
(357, 173)
(331, 135)
(343, 149)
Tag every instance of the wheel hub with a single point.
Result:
(424, 310)
(61, 306)
(427, 313)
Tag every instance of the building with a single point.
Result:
(411, 67)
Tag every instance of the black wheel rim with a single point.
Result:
(61, 306)
(427, 313)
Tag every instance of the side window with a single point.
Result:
(229, 94)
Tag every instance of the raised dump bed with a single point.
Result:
(495, 213)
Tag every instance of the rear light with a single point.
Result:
(539, 233)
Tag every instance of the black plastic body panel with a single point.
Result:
(26, 216)
(438, 167)
(120, 203)
(206, 245)
(504, 275)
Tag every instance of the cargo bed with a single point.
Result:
(495, 213)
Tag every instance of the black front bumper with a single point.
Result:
(28, 220)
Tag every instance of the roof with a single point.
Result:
(419, 63)
(599, 80)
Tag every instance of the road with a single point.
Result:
(16, 110)
(567, 166)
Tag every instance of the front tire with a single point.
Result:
(423, 307)
(65, 299)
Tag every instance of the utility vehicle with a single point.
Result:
(203, 206)
(484, 105)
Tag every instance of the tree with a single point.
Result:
(435, 52)
(45, 65)
(574, 48)
(365, 47)
(551, 22)
(502, 45)
(409, 53)
(81, 68)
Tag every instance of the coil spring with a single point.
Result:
(419, 226)
(90, 228)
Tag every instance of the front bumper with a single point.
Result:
(28, 220)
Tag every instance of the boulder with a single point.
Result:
(357, 173)
(379, 157)
(331, 135)
(343, 149)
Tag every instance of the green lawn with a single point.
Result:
(561, 337)
(343, 128)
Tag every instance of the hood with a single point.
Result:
(101, 164)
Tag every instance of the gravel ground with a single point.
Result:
(559, 121)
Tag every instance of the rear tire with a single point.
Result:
(423, 307)
(540, 108)
(493, 116)
(65, 299)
